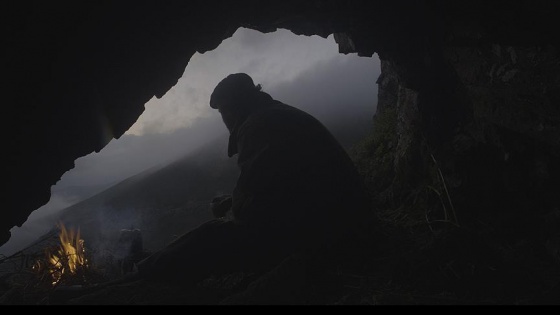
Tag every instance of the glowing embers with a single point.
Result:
(65, 262)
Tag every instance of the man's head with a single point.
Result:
(233, 97)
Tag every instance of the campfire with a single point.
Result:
(59, 267)
(66, 262)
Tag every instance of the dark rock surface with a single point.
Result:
(468, 119)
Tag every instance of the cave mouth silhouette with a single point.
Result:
(471, 50)
(113, 58)
(308, 72)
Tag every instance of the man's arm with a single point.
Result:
(257, 165)
(221, 206)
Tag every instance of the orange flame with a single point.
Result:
(68, 259)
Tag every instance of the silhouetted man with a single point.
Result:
(298, 192)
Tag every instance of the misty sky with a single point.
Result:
(306, 72)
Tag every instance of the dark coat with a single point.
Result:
(298, 192)
(297, 183)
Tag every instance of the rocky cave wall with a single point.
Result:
(490, 164)
(473, 85)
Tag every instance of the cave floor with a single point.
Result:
(452, 267)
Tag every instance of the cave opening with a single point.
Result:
(98, 195)
(491, 137)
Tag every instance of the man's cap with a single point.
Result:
(233, 86)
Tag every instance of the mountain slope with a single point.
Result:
(162, 202)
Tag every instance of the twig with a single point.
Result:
(446, 217)
(429, 223)
(5, 259)
(22, 252)
(442, 178)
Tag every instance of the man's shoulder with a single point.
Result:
(277, 117)
(278, 112)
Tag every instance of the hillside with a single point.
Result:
(162, 202)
